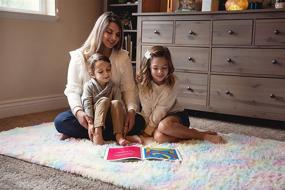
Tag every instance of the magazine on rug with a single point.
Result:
(141, 153)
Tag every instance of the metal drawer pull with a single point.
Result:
(272, 96)
(274, 61)
(228, 93)
(190, 59)
(230, 32)
(191, 32)
(156, 32)
(229, 60)
(276, 32)
(190, 89)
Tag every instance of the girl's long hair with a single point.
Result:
(144, 77)
(94, 41)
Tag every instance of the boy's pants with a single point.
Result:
(101, 108)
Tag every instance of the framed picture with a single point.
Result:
(186, 5)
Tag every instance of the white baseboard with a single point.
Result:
(32, 105)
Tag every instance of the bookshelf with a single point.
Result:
(124, 9)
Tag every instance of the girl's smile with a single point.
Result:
(159, 69)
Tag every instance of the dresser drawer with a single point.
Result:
(192, 32)
(248, 96)
(250, 61)
(270, 32)
(157, 31)
(192, 89)
(234, 32)
(195, 59)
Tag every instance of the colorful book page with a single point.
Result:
(120, 153)
(161, 153)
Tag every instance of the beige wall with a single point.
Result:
(34, 54)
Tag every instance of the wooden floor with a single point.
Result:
(29, 119)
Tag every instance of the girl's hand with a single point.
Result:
(83, 119)
(130, 121)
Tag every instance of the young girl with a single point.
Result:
(165, 119)
(99, 94)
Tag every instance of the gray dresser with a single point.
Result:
(226, 62)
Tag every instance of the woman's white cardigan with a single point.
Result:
(122, 77)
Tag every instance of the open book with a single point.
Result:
(137, 152)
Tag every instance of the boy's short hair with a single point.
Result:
(92, 61)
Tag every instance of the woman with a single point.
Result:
(105, 38)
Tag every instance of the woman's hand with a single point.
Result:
(130, 121)
(83, 119)
(90, 131)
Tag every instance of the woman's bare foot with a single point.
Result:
(134, 139)
(217, 139)
(97, 136)
(63, 137)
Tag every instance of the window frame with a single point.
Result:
(31, 15)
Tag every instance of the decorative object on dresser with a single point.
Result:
(236, 5)
(226, 62)
(280, 4)
(210, 5)
(186, 5)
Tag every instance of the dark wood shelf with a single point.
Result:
(185, 13)
(125, 11)
(130, 31)
(123, 5)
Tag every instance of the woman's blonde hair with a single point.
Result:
(92, 61)
(144, 77)
(94, 40)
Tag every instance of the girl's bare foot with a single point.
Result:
(214, 139)
(121, 140)
(211, 132)
(134, 139)
(146, 139)
(63, 137)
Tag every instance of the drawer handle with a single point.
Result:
(230, 32)
(191, 32)
(227, 92)
(274, 61)
(276, 32)
(190, 89)
(229, 60)
(272, 96)
(156, 32)
(190, 59)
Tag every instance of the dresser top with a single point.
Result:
(210, 12)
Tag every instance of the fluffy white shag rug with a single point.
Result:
(244, 162)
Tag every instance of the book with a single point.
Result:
(141, 153)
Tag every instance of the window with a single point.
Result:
(42, 7)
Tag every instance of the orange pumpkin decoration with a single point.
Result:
(236, 5)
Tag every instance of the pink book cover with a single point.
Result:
(122, 153)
